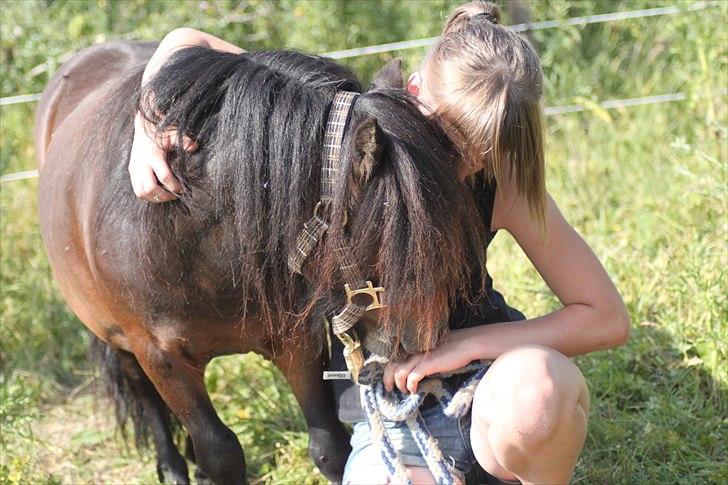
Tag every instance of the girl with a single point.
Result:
(529, 415)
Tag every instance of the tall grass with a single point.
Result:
(646, 187)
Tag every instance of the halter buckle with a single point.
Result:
(375, 293)
(353, 354)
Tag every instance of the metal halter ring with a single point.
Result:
(375, 293)
(318, 206)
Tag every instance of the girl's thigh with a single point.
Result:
(366, 468)
(366, 465)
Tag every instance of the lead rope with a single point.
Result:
(380, 405)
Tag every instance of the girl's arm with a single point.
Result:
(179, 39)
(593, 316)
(150, 175)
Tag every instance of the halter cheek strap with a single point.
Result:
(333, 137)
(315, 228)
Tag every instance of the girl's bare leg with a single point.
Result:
(530, 416)
(417, 474)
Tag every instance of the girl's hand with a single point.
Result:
(452, 354)
(150, 174)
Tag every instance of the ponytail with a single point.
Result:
(488, 84)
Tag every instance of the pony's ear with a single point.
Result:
(390, 76)
(367, 146)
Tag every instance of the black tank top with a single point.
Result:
(488, 306)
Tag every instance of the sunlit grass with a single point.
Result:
(645, 186)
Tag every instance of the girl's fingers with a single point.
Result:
(165, 176)
(145, 186)
(400, 378)
(143, 181)
(168, 140)
(137, 189)
(415, 376)
(151, 177)
(388, 376)
(135, 182)
(189, 144)
(403, 370)
(162, 195)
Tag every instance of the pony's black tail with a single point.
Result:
(125, 384)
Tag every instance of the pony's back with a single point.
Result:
(88, 180)
(80, 76)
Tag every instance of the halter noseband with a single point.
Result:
(343, 322)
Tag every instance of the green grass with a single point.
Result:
(645, 186)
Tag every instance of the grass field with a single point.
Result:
(646, 187)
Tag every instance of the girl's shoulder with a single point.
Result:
(510, 208)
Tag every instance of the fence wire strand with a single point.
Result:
(549, 111)
(530, 26)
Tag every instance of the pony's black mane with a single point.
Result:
(259, 118)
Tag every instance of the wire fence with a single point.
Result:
(21, 98)
(549, 111)
(530, 27)
(425, 42)
(28, 174)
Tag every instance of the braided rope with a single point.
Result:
(378, 405)
(394, 465)
(429, 449)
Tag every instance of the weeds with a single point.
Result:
(645, 186)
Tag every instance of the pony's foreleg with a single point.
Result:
(180, 382)
(171, 466)
(303, 367)
(200, 477)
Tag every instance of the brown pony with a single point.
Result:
(166, 288)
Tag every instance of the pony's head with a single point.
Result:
(410, 225)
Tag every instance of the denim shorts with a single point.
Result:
(452, 434)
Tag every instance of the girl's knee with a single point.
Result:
(531, 390)
(536, 373)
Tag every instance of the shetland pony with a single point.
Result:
(165, 288)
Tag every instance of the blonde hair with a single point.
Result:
(488, 85)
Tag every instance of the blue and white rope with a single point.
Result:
(380, 405)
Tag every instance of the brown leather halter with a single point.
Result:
(314, 229)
